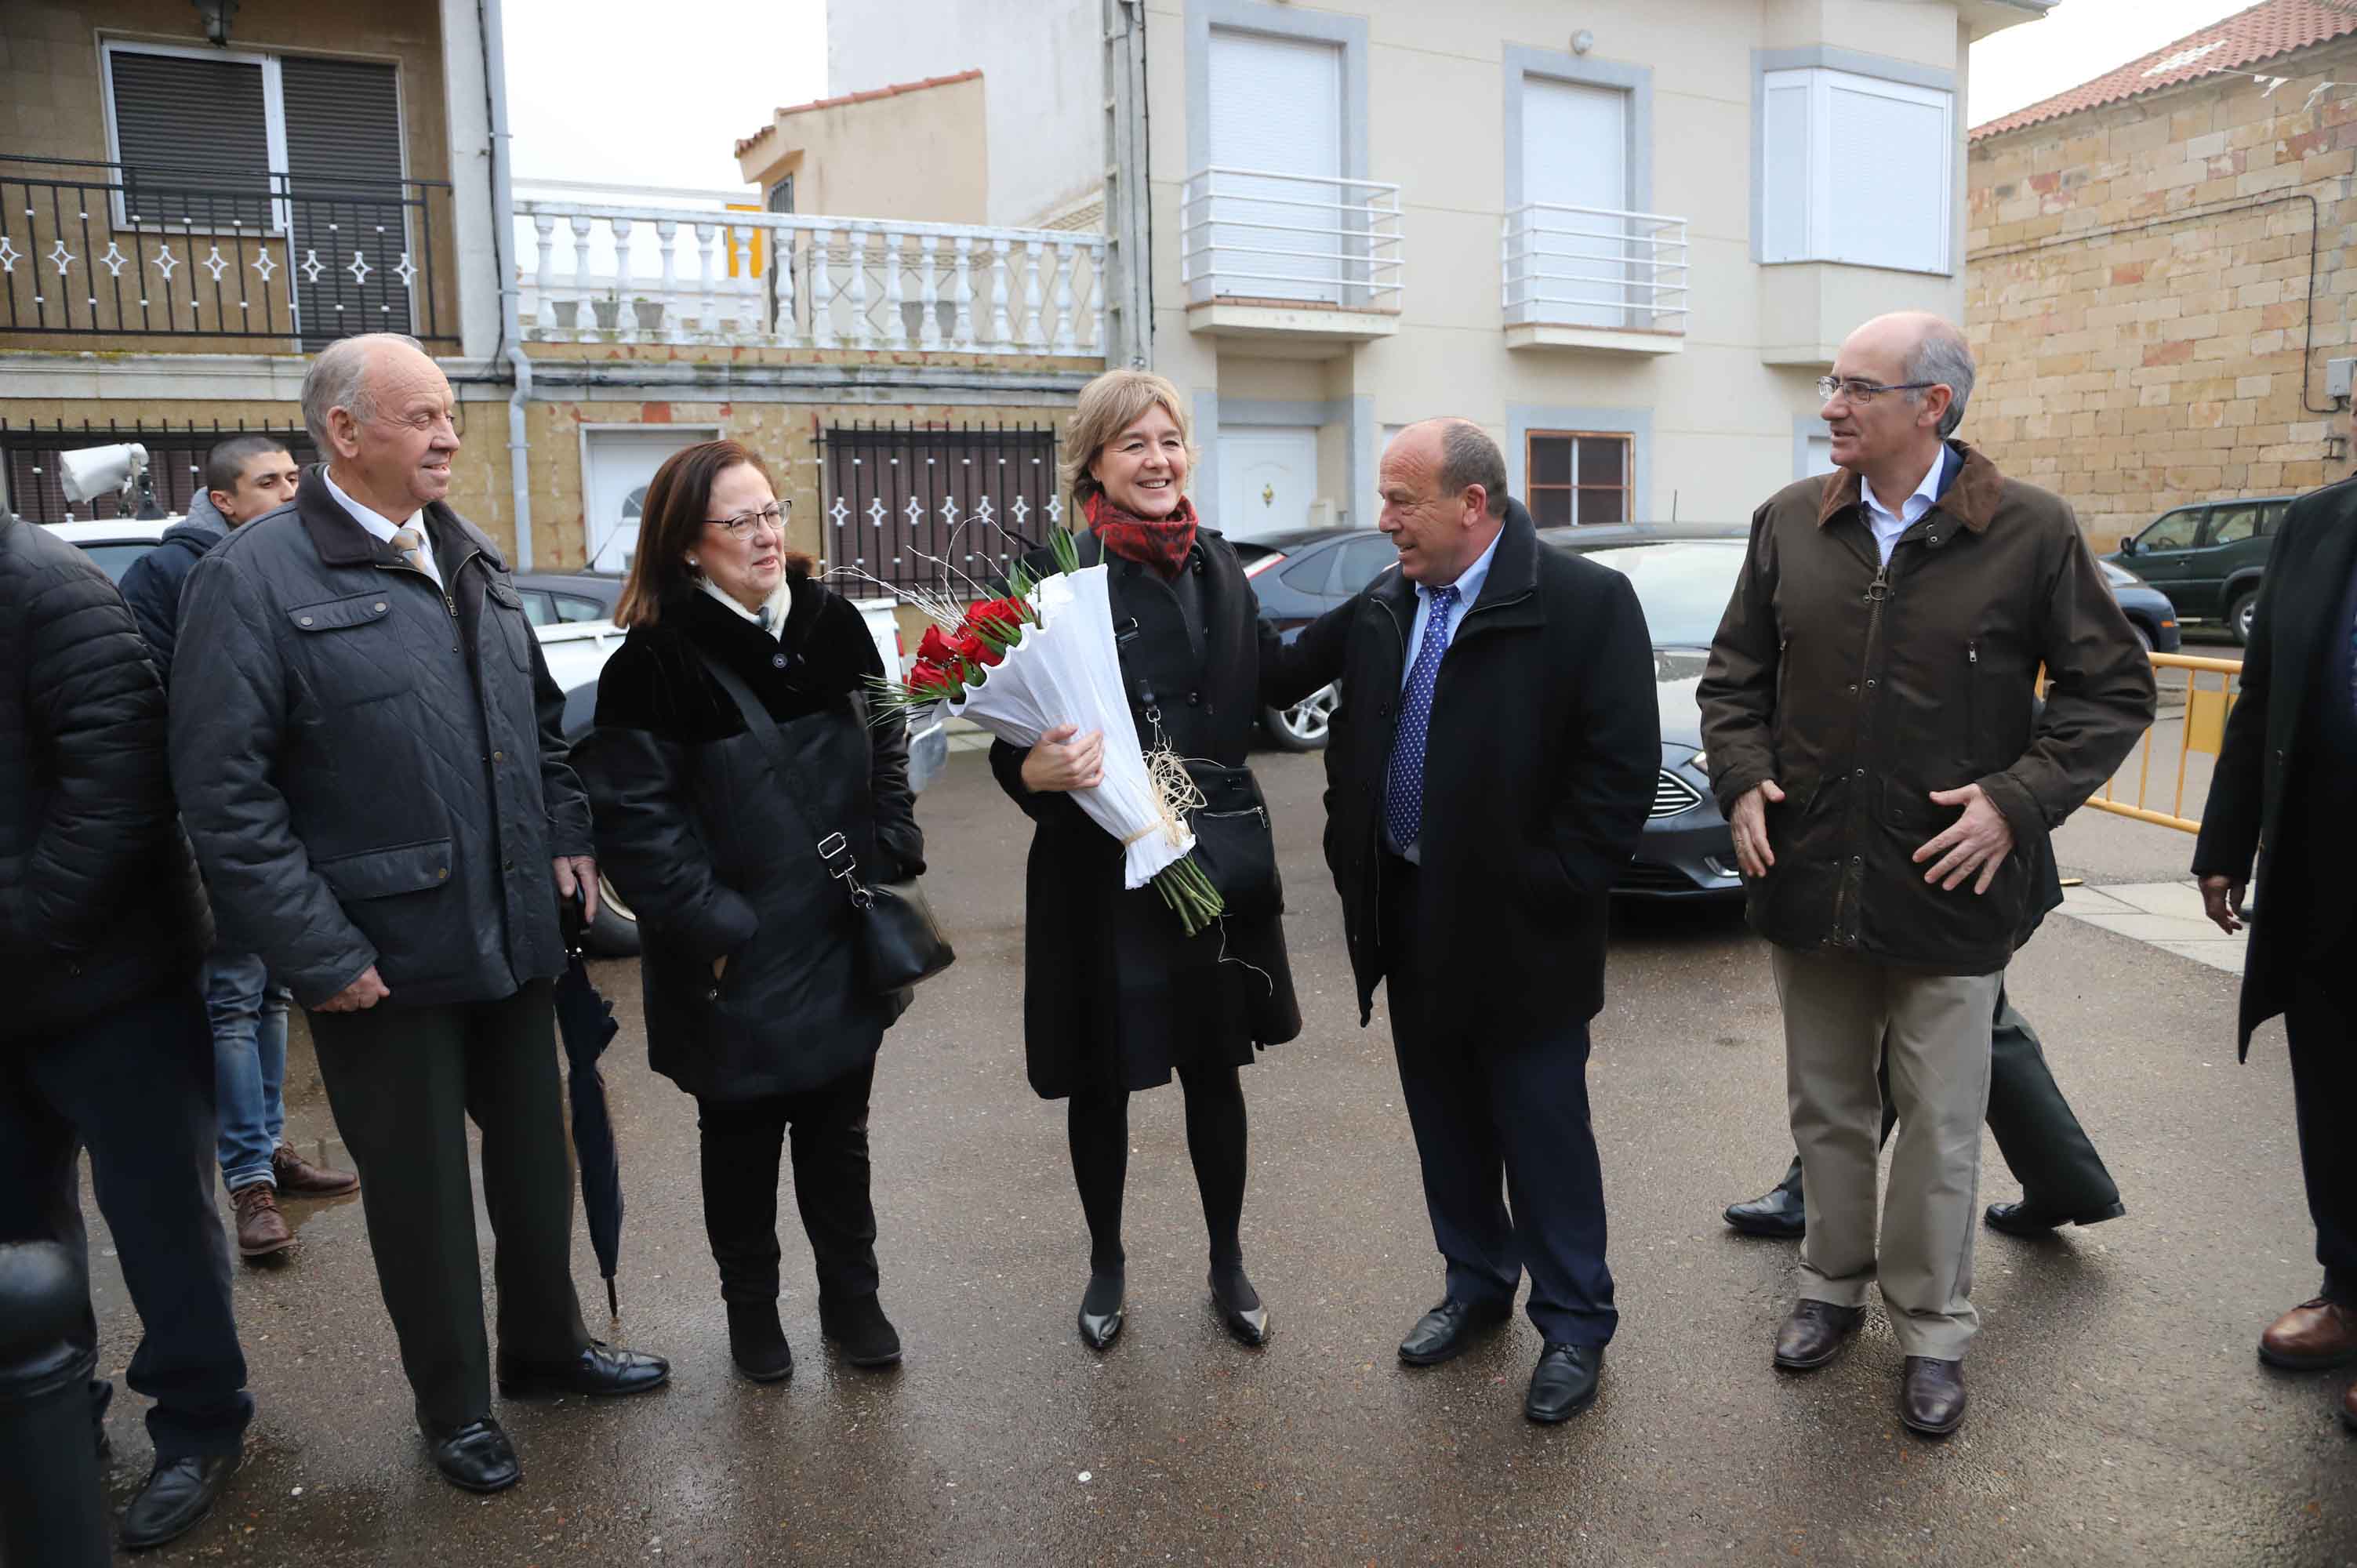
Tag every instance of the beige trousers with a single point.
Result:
(1841, 1014)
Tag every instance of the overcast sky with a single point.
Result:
(701, 73)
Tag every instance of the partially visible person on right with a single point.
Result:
(2282, 791)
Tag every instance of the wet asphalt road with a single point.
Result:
(2119, 1414)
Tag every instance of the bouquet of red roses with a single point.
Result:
(1043, 655)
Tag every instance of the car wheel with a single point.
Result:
(1303, 727)
(614, 932)
(2238, 615)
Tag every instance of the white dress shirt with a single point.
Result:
(384, 528)
(780, 600)
(1887, 525)
(1468, 588)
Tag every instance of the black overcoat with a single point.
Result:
(1113, 995)
(2280, 791)
(1540, 761)
(717, 854)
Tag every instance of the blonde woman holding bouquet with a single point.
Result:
(1117, 998)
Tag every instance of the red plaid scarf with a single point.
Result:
(1161, 543)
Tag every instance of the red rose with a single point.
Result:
(973, 649)
(931, 679)
(936, 648)
(1001, 619)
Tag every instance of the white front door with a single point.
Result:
(1276, 109)
(615, 467)
(1268, 476)
(1576, 155)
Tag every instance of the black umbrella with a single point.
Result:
(584, 1020)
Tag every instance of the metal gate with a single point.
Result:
(944, 509)
(176, 462)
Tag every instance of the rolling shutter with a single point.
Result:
(344, 179)
(193, 137)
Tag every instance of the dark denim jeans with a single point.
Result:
(249, 1023)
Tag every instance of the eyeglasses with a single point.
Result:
(773, 516)
(1857, 390)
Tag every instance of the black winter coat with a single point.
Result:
(152, 586)
(717, 855)
(1114, 995)
(372, 768)
(99, 898)
(1539, 768)
(2282, 789)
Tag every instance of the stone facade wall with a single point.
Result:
(2150, 326)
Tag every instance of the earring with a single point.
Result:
(694, 564)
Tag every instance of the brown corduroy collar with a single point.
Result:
(1971, 499)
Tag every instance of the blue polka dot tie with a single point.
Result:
(1404, 783)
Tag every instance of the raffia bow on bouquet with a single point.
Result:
(1043, 656)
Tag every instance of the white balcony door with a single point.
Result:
(1268, 476)
(615, 467)
(1576, 153)
(1276, 109)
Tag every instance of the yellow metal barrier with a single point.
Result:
(2204, 730)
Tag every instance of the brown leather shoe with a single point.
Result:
(1815, 1334)
(1932, 1396)
(2312, 1335)
(299, 1177)
(261, 1229)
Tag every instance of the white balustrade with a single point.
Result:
(1593, 266)
(1311, 240)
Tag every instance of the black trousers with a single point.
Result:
(135, 1087)
(2036, 1130)
(743, 1142)
(403, 1083)
(1511, 1179)
(2321, 1023)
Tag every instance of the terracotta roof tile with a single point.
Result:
(2235, 43)
(893, 91)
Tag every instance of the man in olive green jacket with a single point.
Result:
(1869, 718)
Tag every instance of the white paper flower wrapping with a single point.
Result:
(1067, 671)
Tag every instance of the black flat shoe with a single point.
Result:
(1445, 1331)
(179, 1493)
(2021, 1220)
(476, 1457)
(1776, 1214)
(1564, 1382)
(598, 1370)
(861, 1331)
(757, 1342)
(1249, 1324)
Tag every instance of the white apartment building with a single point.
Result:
(1625, 236)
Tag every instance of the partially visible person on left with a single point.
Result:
(102, 1039)
(246, 477)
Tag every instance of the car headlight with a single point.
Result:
(1702, 762)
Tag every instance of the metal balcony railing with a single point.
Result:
(1592, 266)
(107, 250)
(1319, 240)
(618, 275)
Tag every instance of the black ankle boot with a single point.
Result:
(860, 1330)
(758, 1341)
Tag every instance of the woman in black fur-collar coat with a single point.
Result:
(753, 999)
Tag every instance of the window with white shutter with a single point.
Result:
(1857, 170)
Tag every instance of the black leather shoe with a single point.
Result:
(2023, 1219)
(1564, 1382)
(1442, 1332)
(1815, 1334)
(179, 1493)
(1100, 1329)
(476, 1457)
(596, 1370)
(757, 1341)
(1249, 1324)
(861, 1331)
(1776, 1213)
(1932, 1396)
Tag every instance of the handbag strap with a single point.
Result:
(833, 850)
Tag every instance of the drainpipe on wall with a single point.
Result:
(495, 72)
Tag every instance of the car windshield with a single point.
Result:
(114, 558)
(1682, 584)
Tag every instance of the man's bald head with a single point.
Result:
(1917, 346)
(1460, 455)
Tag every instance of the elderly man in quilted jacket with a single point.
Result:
(366, 747)
(1868, 714)
(104, 1042)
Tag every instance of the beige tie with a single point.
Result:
(412, 547)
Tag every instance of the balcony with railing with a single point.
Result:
(1307, 258)
(654, 275)
(1588, 278)
(105, 255)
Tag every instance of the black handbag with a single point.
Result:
(899, 942)
(1234, 843)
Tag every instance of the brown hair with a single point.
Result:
(672, 521)
(1109, 405)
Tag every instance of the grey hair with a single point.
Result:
(1942, 357)
(338, 379)
(1467, 456)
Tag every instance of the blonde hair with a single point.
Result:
(1109, 405)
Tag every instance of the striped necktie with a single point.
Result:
(411, 545)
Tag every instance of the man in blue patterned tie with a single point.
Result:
(1489, 768)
